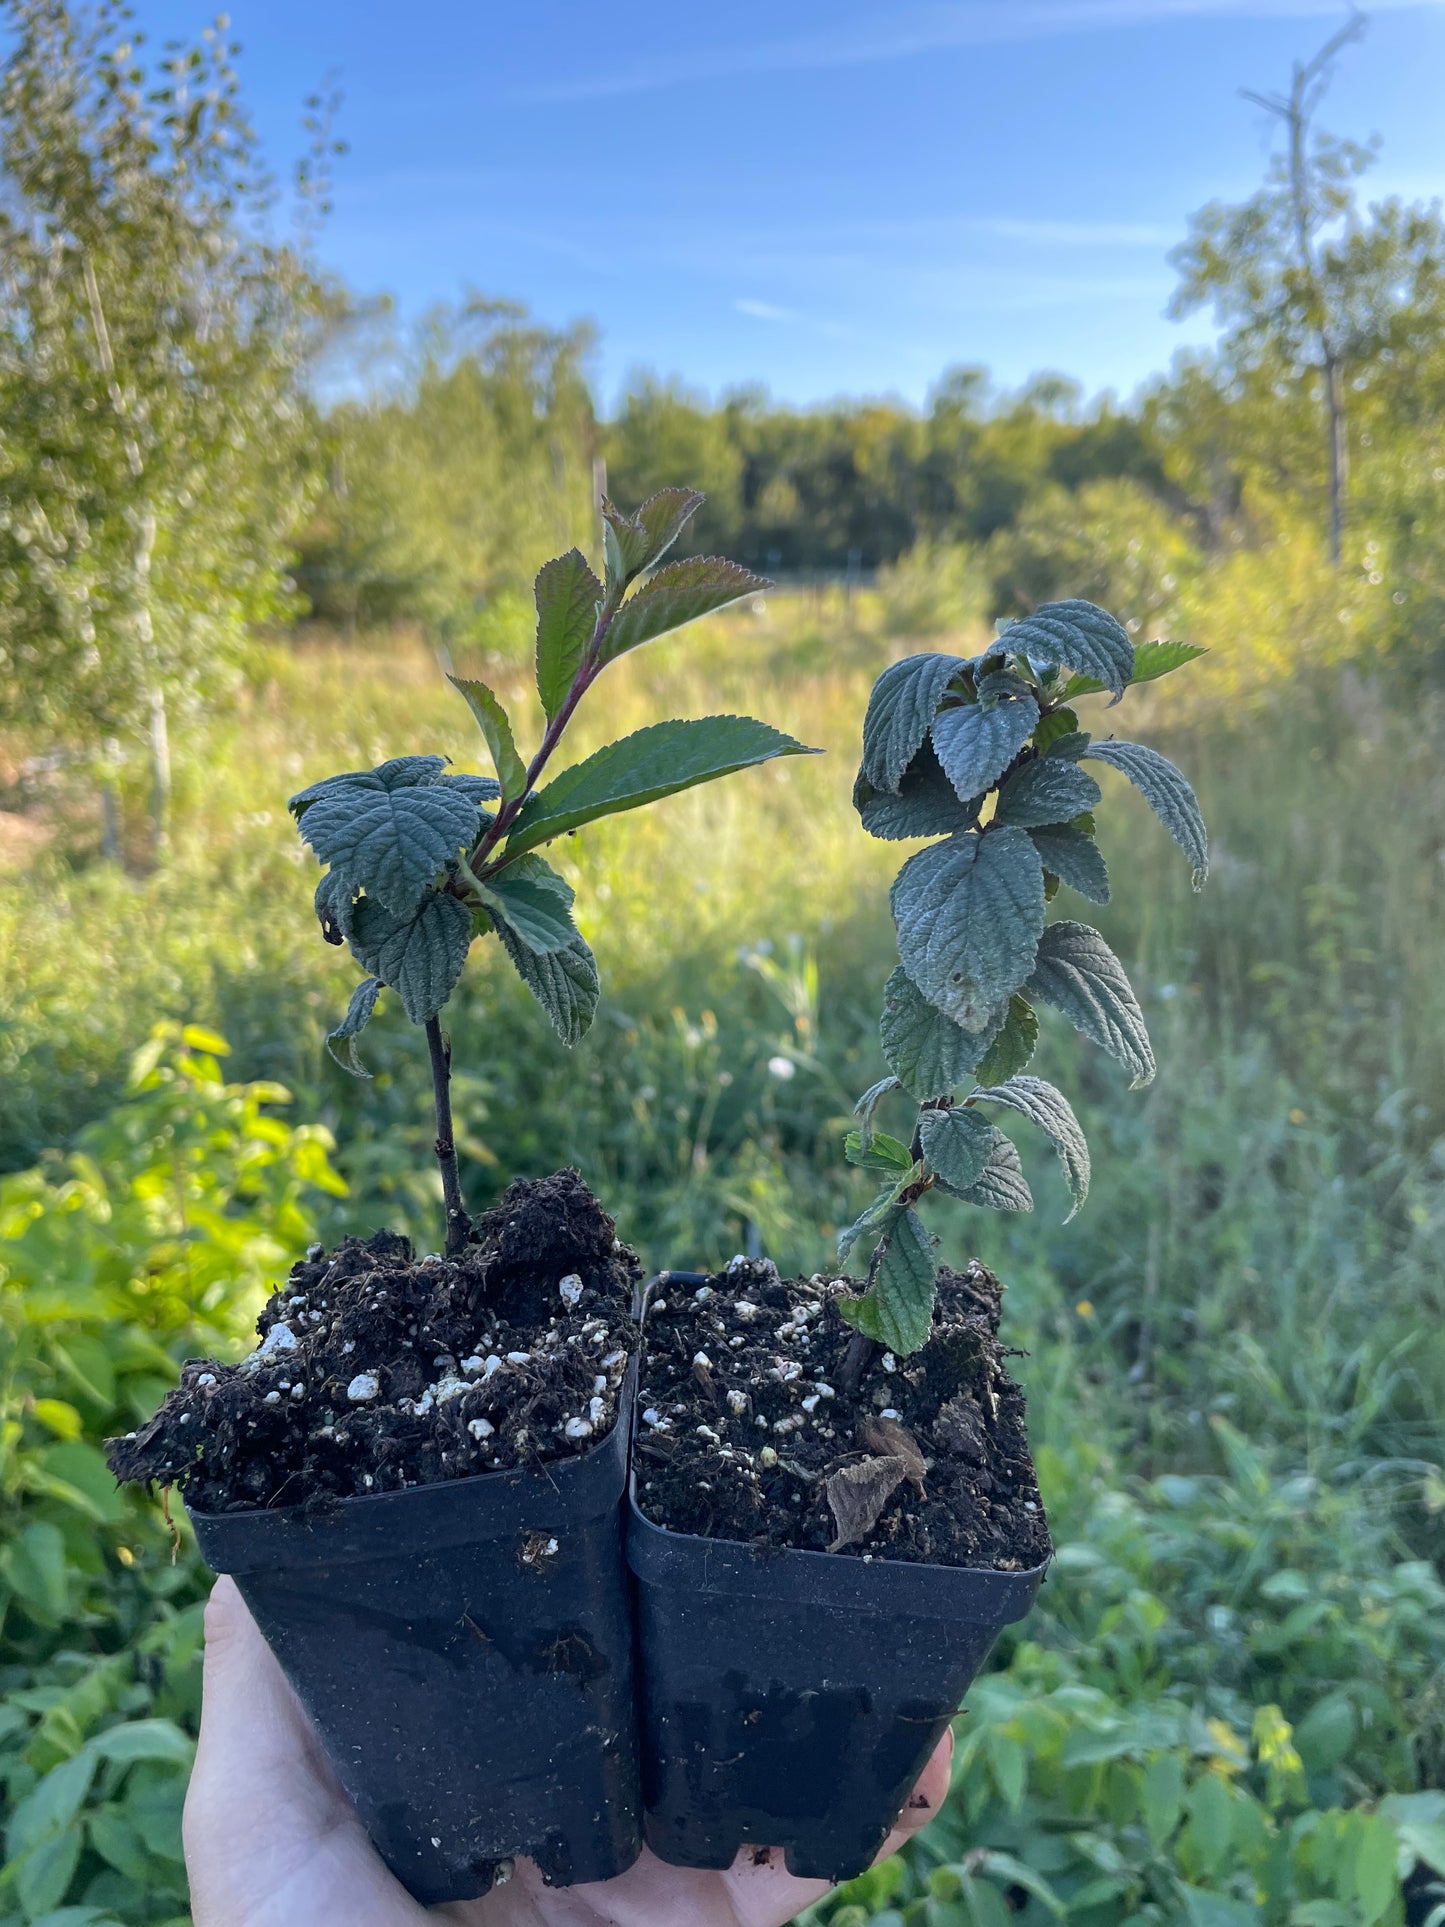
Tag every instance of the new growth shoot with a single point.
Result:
(987, 754)
(422, 859)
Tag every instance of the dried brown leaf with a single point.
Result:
(857, 1495)
(891, 1439)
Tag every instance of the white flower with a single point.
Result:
(782, 1068)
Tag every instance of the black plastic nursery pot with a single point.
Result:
(789, 1698)
(464, 1650)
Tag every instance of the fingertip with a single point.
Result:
(930, 1790)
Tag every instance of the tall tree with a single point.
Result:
(1312, 291)
(154, 461)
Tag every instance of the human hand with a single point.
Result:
(272, 1841)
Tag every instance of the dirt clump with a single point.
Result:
(378, 1370)
(746, 1430)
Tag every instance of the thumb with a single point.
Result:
(262, 1791)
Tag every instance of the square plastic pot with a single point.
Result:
(464, 1650)
(790, 1699)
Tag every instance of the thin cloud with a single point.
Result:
(933, 29)
(766, 311)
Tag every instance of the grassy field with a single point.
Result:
(1237, 1353)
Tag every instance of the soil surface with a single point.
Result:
(378, 1371)
(745, 1430)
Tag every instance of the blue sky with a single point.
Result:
(827, 198)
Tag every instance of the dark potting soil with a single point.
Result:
(378, 1371)
(745, 1431)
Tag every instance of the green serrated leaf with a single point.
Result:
(358, 1016)
(956, 1144)
(564, 982)
(903, 1284)
(400, 772)
(481, 789)
(1151, 660)
(535, 904)
(644, 537)
(1168, 793)
(1074, 634)
(874, 1216)
(567, 595)
(1049, 789)
(1078, 974)
(680, 593)
(1074, 858)
(968, 913)
(878, 1152)
(388, 831)
(497, 730)
(924, 804)
(1001, 1185)
(976, 743)
(1047, 1107)
(1014, 1045)
(654, 762)
(900, 710)
(926, 1051)
(419, 955)
(1053, 728)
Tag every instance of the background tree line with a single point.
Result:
(199, 433)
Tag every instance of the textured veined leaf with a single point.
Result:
(567, 594)
(1151, 660)
(1168, 793)
(400, 772)
(926, 1051)
(1002, 1185)
(534, 902)
(899, 712)
(976, 744)
(358, 1016)
(868, 1103)
(1074, 858)
(878, 1152)
(968, 913)
(653, 762)
(1078, 974)
(497, 730)
(1071, 745)
(1073, 635)
(418, 954)
(924, 804)
(1014, 1045)
(388, 831)
(1047, 1107)
(481, 789)
(564, 982)
(956, 1145)
(678, 594)
(898, 1310)
(335, 901)
(645, 536)
(1046, 790)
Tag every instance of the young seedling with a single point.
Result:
(421, 860)
(987, 754)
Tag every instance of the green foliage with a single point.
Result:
(958, 1024)
(417, 867)
(157, 1237)
(1121, 1768)
(152, 346)
(459, 461)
